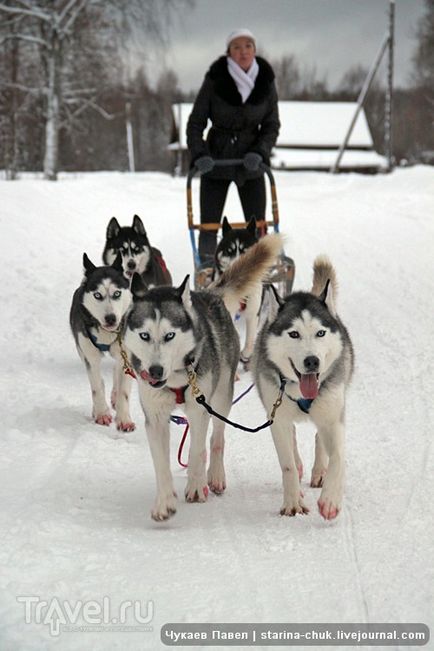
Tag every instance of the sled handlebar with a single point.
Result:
(233, 162)
(230, 162)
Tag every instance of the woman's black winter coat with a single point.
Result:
(237, 128)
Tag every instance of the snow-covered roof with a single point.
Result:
(310, 136)
(309, 124)
(318, 159)
(321, 124)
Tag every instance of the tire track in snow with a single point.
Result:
(351, 547)
(268, 538)
(420, 469)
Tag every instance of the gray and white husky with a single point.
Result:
(170, 331)
(97, 314)
(305, 348)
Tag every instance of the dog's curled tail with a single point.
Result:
(245, 275)
(323, 271)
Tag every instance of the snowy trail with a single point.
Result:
(76, 497)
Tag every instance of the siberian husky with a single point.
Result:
(97, 314)
(235, 242)
(171, 331)
(138, 256)
(305, 348)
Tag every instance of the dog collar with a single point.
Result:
(104, 348)
(303, 403)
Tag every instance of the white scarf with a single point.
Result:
(245, 81)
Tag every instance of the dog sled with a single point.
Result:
(281, 275)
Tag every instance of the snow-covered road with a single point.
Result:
(76, 497)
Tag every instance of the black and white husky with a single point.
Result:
(171, 331)
(234, 243)
(305, 348)
(97, 314)
(138, 256)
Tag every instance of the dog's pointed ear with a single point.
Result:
(89, 267)
(275, 302)
(251, 226)
(327, 297)
(184, 292)
(138, 225)
(226, 226)
(117, 264)
(113, 228)
(138, 287)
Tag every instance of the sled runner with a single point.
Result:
(281, 274)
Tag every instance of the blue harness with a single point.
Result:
(104, 348)
(304, 403)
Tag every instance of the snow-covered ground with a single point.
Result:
(76, 497)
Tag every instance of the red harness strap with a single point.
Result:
(161, 262)
(179, 394)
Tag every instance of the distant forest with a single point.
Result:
(65, 101)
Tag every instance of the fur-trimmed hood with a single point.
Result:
(225, 86)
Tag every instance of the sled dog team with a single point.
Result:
(175, 341)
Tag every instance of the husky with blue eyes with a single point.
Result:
(305, 350)
(172, 333)
(98, 311)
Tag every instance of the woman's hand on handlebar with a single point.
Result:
(252, 161)
(204, 164)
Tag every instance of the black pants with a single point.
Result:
(213, 193)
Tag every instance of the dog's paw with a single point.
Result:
(196, 491)
(329, 506)
(125, 425)
(294, 507)
(103, 419)
(317, 477)
(164, 507)
(217, 480)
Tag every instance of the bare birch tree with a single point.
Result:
(52, 26)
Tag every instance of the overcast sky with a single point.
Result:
(331, 35)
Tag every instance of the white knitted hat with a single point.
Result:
(237, 33)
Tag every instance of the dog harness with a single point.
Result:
(161, 262)
(179, 394)
(303, 403)
(180, 391)
(104, 348)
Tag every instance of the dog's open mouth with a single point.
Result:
(157, 384)
(308, 382)
(110, 328)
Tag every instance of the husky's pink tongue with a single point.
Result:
(309, 385)
(145, 376)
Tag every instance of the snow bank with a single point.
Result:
(76, 497)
